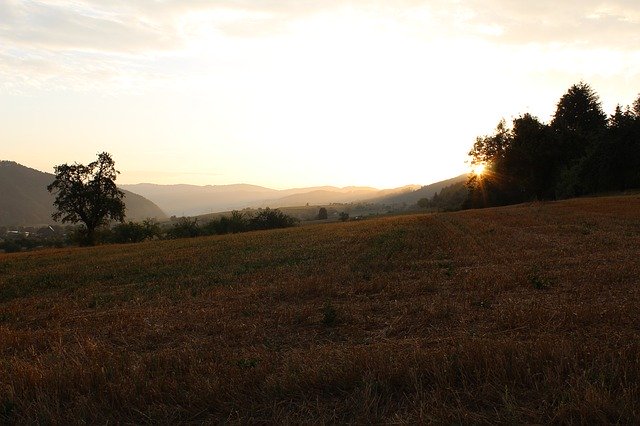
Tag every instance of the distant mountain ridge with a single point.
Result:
(192, 200)
(412, 197)
(24, 199)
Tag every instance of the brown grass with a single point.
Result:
(525, 314)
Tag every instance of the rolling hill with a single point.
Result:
(192, 200)
(24, 199)
(412, 197)
(525, 314)
(329, 195)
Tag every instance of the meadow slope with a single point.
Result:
(525, 314)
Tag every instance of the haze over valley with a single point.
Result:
(25, 200)
(191, 200)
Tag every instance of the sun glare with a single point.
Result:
(479, 169)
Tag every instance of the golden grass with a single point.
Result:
(525, 314)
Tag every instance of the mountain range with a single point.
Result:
(24, 199)
(191, 200)
(411, 197)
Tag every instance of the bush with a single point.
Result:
(424, 203)
(79, 235)
(10, 246)
(184, 228)
(238, 222)
(271, 219)
(213, 227)
(322, 214)
(225, 225)
(135, 232)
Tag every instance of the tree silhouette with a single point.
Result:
(271, 219)
(579, 152)
(496, 185)
(88, 194)
(490, 149)
(532, 157)
(636, 107)
(322, 213)
(578, 123)
(579, 110)
(619, 154)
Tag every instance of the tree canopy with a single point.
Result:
(88, 194)
(579, 110)
(579, 152)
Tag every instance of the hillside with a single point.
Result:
(191, 200)
(524, 315)
(332, 195)
(412, 197)
(24, 199)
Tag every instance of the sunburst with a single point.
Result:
(479, 169)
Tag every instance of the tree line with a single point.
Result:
(88, 195)
(580, 152)
(184, 227)
(238, 222)
(135, 232)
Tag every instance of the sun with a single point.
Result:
(479, 169)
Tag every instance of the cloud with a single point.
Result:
(590, 23)
(58, 42)
(147, 25)
(80, 43)
(63, 26)
(138, 26)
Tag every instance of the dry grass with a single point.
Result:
(526, 314)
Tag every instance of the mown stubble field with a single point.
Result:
(523, 314)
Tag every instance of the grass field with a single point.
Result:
(524, 314)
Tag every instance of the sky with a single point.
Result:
(295, 93)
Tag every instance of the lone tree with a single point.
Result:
(323, 214)
(88, 194)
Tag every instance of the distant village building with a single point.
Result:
(46, 232)
(13, 235)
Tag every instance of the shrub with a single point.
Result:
(80, 236)
(322, 214)
(424, 203)
(184, 227)
(127, 233)
(225, 225)
(135, 232)
(219, 226)
(271, 219)
(238, 222)
(10, 246)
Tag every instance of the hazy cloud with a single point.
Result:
(614, 24)
(67, 40)
(148, 25)
(224, 84)
(78, 25)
